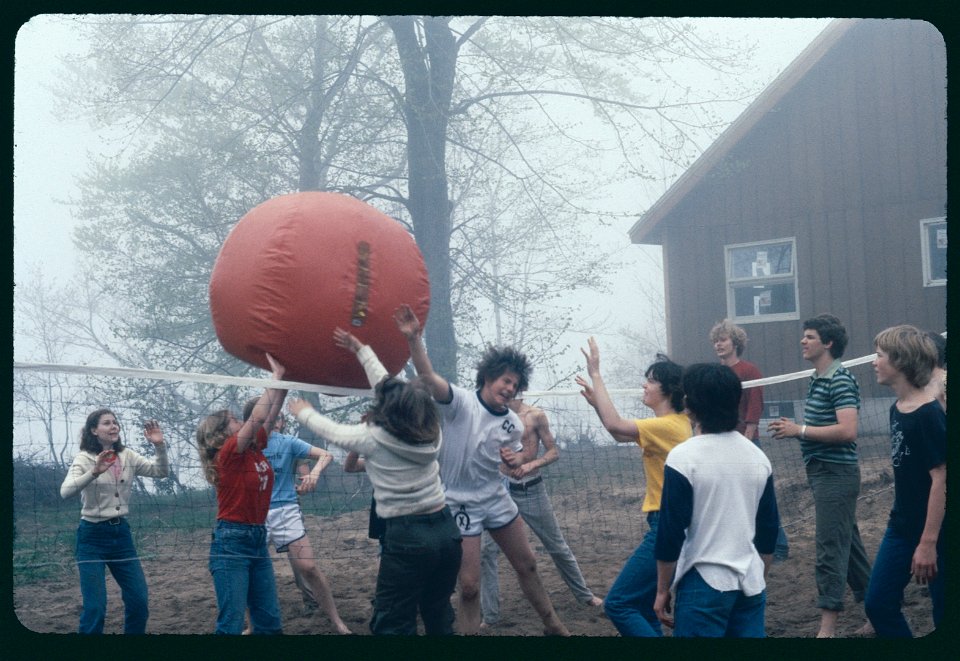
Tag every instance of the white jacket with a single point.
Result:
(405, 477)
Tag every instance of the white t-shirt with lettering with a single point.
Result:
(472, 437)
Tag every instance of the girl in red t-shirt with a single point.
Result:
(231, 455)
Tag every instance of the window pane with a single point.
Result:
(752, 301)
(937, 243)
(761, 260)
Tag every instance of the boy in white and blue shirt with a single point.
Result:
(718, 518)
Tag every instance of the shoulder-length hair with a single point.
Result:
(88, 439)
(211, 434)
(406, 410)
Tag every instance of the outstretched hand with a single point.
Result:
(276, 368)
(407, 322)
(295, 405)
(593, 357)
(346, 340)
(587, 391)
(152, 432)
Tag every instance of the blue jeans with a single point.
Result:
(243, 578)
(629, 603)
(102, 545)
(891, 573)
(418, 571)
(701, 611)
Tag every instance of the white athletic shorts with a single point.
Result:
(491, 513)
(285, 525)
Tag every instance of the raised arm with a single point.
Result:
(372, 366)
(266, 409)
(623, 430)
(409, 326)
(159, 466)
(349, 437)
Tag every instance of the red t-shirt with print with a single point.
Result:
(245, 481)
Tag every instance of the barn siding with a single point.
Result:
(847, 162)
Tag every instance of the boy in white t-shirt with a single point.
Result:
(480, 432)
(718, 518)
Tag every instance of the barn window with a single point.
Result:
(933, 239)
(762, 281)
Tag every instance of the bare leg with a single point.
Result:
(512, 540)
(301, 561)
(468, 611)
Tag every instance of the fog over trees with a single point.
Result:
(490, 138)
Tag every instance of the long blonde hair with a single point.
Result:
(211, 434)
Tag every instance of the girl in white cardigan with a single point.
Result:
(400, 440)
(102, 473)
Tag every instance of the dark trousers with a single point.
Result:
(891, 574)
(418, 571)
(841, 558)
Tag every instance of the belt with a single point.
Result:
(439, 515)
(115, 521)
(523, 486)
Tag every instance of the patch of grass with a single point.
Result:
(44, 543)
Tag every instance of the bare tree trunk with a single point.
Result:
(429, 71)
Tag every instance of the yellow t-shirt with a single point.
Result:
(657, 436)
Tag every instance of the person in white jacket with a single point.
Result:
(400, 440)
(103, 474)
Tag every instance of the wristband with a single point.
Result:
(803, 433)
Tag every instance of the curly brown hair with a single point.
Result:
(495, 361)
(726, 328)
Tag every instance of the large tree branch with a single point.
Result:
(464, 105)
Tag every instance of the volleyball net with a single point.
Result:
(596, 480)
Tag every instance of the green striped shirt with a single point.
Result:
(835, 389)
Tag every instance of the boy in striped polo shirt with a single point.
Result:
(828, 444)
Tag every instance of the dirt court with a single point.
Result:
(182, 597)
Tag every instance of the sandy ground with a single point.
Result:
(182, 598)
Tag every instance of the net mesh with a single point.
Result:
(171, 518)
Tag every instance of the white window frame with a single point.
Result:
(928, 279)
(772, 280)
